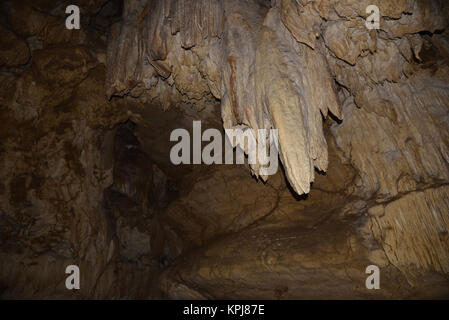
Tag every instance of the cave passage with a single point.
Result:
(211, 149)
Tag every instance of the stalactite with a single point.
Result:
(264, 79)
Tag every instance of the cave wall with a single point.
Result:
(56, 160)
(84, 164)
(285, 65)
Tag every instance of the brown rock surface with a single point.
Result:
(86, 177)
(14, 51)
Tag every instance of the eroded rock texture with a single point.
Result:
(86, 177)
(241, 53)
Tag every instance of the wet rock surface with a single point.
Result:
(86, 176)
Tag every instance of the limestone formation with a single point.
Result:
(243, 55)
(86, 176)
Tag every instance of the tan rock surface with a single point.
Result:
(86, 177)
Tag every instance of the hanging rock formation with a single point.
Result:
(86, 178)
(241, 53)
